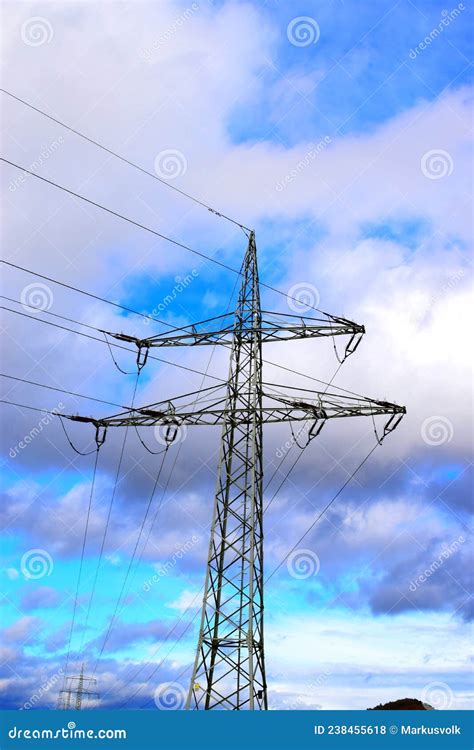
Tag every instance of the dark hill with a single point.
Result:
(404, 704)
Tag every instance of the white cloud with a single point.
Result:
(186, 600)
(317, 658)
(415, 350)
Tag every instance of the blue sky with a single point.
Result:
(374, 224)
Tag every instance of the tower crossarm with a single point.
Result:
(274, 327)
(276, 407)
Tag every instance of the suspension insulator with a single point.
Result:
(353, 343)
(171, 433)
(316, 428)
(142, 356)
(100, 433)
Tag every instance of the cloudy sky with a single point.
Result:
(338, 130)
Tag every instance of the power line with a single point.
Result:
(48, 312)
(311, 377)
(158, 359)
(131, 560)
(155, 232)
(61, 390)
(172, 649)
(30, 408)
(78, 584)
(94, 296)
(125, 160)
(321, 514)
(283, 459)
(163, 493)
(158, 666)
(120, 216)
(286, 475)
(102, 341)
(82, 291)
(109, 513)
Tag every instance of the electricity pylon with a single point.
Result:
(71, 697)
(229, 668)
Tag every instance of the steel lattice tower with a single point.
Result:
(71, 696)
(229, 669)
